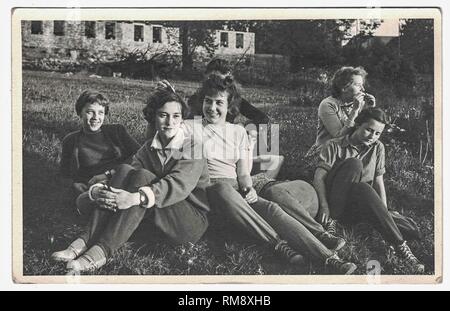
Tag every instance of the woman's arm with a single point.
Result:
(378, 185)
(252, 113)
(319, 184)
(245, 182)
(334, 125)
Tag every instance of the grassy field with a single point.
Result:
(50, 223)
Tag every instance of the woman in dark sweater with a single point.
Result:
(95, 148)
(164, 183)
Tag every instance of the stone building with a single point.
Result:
(74, 38)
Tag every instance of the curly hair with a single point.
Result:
(343, 77)
(89, 97)
(215, 84)
(159, 98)
(372, 113)
(218, 65)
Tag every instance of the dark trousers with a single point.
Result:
(181, 222)
(352, 201)
(298, 199)
(264, 220)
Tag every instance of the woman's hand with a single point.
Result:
(125, 199)
(115, 198)
(369, 100)
(80, 187)
(323, 216)
(251, 196)
(97, 179)
(358, 103)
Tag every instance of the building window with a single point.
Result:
(89, 29)
(239, 41)
(224, 39)
(110, 30)
(58, 28)
(138, 33)
(157, 35)
(36, 28)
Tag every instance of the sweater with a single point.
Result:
(123, 144)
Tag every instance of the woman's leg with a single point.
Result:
(298, 199)
(117, 227)
(181, 222)
(339, 181)
(291, 230)
(365, 205)
(227, 202)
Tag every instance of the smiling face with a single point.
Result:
(92, 117)
(215, 108)
(354, 88)
(168, 120)
(368, 132)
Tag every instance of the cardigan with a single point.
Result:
(182, 177)
(123, 144)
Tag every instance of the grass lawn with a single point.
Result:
(50, 224)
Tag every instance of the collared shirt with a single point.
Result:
(339, 149)
(166, 153)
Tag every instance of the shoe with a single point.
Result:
(330, 241)
(404, 252)
(287, 252)
(336, 264)
(91, 260)
(75, 249)
(331, 226)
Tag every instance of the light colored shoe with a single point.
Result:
(75, 249)
(91, 260)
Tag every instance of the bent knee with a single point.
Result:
(353, 164)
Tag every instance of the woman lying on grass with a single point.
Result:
(164, 183)
(232, 195)
(350, 186)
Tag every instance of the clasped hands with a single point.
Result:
(114, 199)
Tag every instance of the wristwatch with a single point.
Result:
(143, 200)
(108, 174)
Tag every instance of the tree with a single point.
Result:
(306, 42)
(417, 43)
(195, 35)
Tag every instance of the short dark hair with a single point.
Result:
(215, 84)
(218, 64)
(342, 77)
(372, 113)
(89, 97)
(159, 99)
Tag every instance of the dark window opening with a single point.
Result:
(239, 41)
(89, 29)
(138, 33)
(224, 39)
(58, 28)
(36, 28)
(110, 30)
(157, 35)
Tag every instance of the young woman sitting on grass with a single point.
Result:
(232, 196)
(164, 183)
(93, 149)
(350, 186)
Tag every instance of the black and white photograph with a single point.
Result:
(227, 145)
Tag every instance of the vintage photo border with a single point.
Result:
(213, 14)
